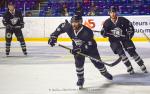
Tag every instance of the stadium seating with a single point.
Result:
(126, 7)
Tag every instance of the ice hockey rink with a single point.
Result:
(48, 70)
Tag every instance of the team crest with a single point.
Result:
(14, 21)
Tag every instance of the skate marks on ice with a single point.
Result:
(104, 87)
(122, 84)
(137, 79)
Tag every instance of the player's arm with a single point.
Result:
(59, 30)
(21, 20)
(4, 20)
(105, 30)
(129, 29)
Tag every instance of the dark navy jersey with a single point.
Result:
(123, 25)
(84, 38)
(15, 19)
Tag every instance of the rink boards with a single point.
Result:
(39, 28)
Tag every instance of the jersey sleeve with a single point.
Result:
(59, 30)
(4, 20)
(129, 28)
(21, 19)
(105, 29)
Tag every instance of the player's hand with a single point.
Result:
(22, 26)
(103, 33)
(52, 40)
(75, 50)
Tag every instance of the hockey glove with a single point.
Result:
(22, 25)
(103, 33)
(52, 40)
(75, 50)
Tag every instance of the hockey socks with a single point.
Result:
(140, 62)
(127, 63)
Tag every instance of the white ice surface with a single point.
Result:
(52, 71)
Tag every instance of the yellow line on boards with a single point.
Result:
(136, 39)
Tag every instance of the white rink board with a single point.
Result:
(41, 27)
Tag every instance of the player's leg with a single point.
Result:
(94, 53)
(138, 60)
(130, 48)
(79, 63)
(118, 49)
(20, 38)
(8, 38)
(127, 63)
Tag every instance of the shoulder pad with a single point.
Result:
(66, 21)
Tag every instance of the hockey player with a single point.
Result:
(120, 30)
(13, 20)
(82, 41)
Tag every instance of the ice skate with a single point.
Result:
(25, 53)
(24, 50)
(143, 68)
(7, 51)
(80, 83)
(130, 70)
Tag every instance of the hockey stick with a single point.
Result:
(2, 27)
(92, 58)
(16, 27)
(146, 37)
(108, 33)
(124, 35)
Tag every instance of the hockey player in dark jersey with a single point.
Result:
(82, 41)
(13, 20)
(120, 30)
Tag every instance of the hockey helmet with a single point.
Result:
(76, 18)
(113, 9)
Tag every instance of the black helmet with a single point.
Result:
(76, 18)
(113, 9)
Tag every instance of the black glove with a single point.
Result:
(52, 40)
(75, 50)
(22, 25)
(103, 33)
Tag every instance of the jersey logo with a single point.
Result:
(78, 42)
(14, 20)
(117, 32)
